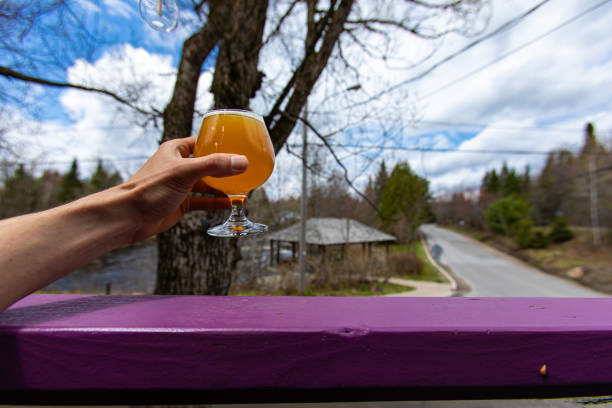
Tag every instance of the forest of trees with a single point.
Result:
(571, 189)
(567, 191)
(21, 192)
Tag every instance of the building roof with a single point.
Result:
(332, 231)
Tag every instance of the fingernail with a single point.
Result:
(239, 163)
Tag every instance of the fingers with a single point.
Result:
(201, 187)
(185, 146)
(209, 203)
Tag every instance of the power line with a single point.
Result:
(90, 160)
(515, 50)
(504, 27)
(439, 150)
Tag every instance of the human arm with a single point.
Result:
(37, 249)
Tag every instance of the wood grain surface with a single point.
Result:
(195, 349)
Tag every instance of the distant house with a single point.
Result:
(325, 232)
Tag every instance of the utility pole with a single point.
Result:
(594, 214)
(302, 249)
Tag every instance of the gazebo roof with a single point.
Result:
(332, 231)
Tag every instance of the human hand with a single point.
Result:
(162, 186)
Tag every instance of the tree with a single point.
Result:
(71, 186)
(527, 237)
(331, 199)
(101, 179)
(505, 214)
(552, 186)
(20, 194)
(490, 183)
(50, 182)
(511, 182)
(380, 182)
(508, 182)
(335, 35)
(460, 208)
(404, 203)
(560, 230)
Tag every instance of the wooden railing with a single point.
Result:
(59, 349)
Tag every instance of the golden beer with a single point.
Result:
(238, 132)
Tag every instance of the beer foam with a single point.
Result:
(239, 112)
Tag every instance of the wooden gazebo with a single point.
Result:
(324, 232)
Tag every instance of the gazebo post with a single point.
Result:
(323, 255)
(293, 251)
(369, 250)
(278, 252)
(271, 252)
(387, 245)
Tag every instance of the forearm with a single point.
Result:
(39, 248)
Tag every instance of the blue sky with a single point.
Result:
(536, 98)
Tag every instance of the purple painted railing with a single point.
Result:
(181, 349)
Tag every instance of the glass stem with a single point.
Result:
(237, 214)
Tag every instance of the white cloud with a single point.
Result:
(102, 127)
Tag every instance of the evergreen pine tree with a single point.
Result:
(71, 186)
(101, 179)
(560, 230)
(404, 202)
(20, 194)
(380, 182)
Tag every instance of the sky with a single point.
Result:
(531, 88)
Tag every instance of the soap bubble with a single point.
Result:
(161, 15)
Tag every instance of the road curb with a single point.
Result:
(454, 287)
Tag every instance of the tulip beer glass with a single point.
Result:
(239, 132)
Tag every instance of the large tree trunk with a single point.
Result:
(190, 261)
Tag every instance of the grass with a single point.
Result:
(428, 272)
(360, 288)
(555, 258)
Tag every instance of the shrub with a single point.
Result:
(524, 233)
(538, 240)
(560, 230)
(403, 263)
(505, 214)
(526, 237)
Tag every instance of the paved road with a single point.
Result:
(491, 273)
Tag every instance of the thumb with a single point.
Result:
(217, 165)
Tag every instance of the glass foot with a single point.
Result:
(237, 229)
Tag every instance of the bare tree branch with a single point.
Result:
(304, 78)
(452, 4)
(276, 29)
(9, 73)
(344, 169)
(369, 24)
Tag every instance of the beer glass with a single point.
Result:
(239, 132)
